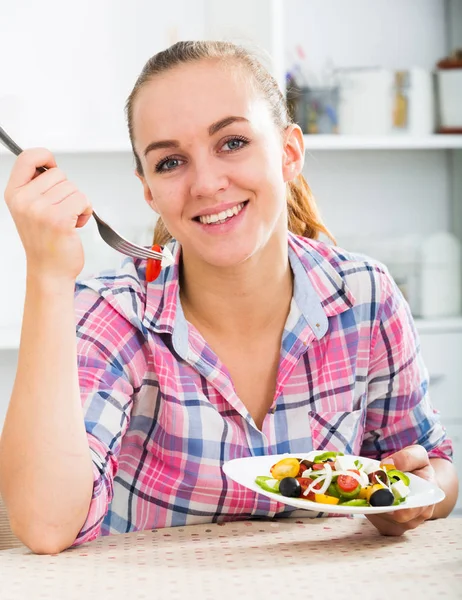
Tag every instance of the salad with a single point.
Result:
(333, 478)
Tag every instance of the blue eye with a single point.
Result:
(236, 143)
(167, 164)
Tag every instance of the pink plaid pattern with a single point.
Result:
(162, 415)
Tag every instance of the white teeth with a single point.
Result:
(222, 216)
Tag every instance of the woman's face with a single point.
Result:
(215, 165)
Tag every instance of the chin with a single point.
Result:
(226, 258)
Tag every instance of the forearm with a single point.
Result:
(446, 477)
(45, 466)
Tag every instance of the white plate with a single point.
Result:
(245, 470)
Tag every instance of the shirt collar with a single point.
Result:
(320, 291)
(323, 275)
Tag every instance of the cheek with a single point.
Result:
(166, 199)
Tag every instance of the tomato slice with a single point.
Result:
(347, 483)
(304, 483)
(286, 467)
(301, 470)
(318, 467)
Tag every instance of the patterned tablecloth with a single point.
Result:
(284, 559)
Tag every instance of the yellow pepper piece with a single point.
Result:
(373, 488)
(325, 499)
(286, 467)
(387, 466)
(364, 492)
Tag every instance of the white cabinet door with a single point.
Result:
(454, 431)
(67, 68)
(442, 353)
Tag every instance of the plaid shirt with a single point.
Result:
(162, 415)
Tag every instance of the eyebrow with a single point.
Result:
(214, 127)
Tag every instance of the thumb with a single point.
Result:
(410, 458)
(84, 217)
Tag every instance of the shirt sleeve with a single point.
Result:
(399, 411)
(109, 354)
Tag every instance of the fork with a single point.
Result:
(109, 235)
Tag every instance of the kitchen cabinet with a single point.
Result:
(442, 353)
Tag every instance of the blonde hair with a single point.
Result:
(303, 215)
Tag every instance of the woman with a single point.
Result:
(258, 340)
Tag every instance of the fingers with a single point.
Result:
(70, 208)
(41, 193)
(73, 207)
(427, 473)
(25, 167)
(406, 515)
(29, 193)
(396, 523)
(42, 184)
(411, 458)
(387, 527)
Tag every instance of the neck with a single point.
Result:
(244, 300)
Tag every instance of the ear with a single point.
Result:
(147, 192)
(294, 152)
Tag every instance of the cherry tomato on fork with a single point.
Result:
(153, 266)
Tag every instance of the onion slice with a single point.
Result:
(326, 479)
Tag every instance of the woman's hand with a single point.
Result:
(46, 209)
(413, 459)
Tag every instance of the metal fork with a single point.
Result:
(109, 235)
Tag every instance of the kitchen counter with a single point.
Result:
(285, 558)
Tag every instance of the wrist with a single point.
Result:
(49, 285)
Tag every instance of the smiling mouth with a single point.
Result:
(221, 217)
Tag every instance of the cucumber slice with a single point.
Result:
(268, 483)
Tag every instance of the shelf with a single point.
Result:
(390, 142)
(78, 149)
(312, 142)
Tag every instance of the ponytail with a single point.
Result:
(302, 213)
(161, 233)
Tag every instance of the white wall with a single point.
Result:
(8, 359)
(390, 33)
(386, 193)
(74, 64)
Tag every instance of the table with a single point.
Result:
(283, 559)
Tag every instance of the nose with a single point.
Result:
(208, 178)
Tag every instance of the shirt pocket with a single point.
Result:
(337, 431)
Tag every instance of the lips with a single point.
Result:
(221, 214)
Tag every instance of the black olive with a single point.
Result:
(290, 487)
(379, 476)
(382, 497)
